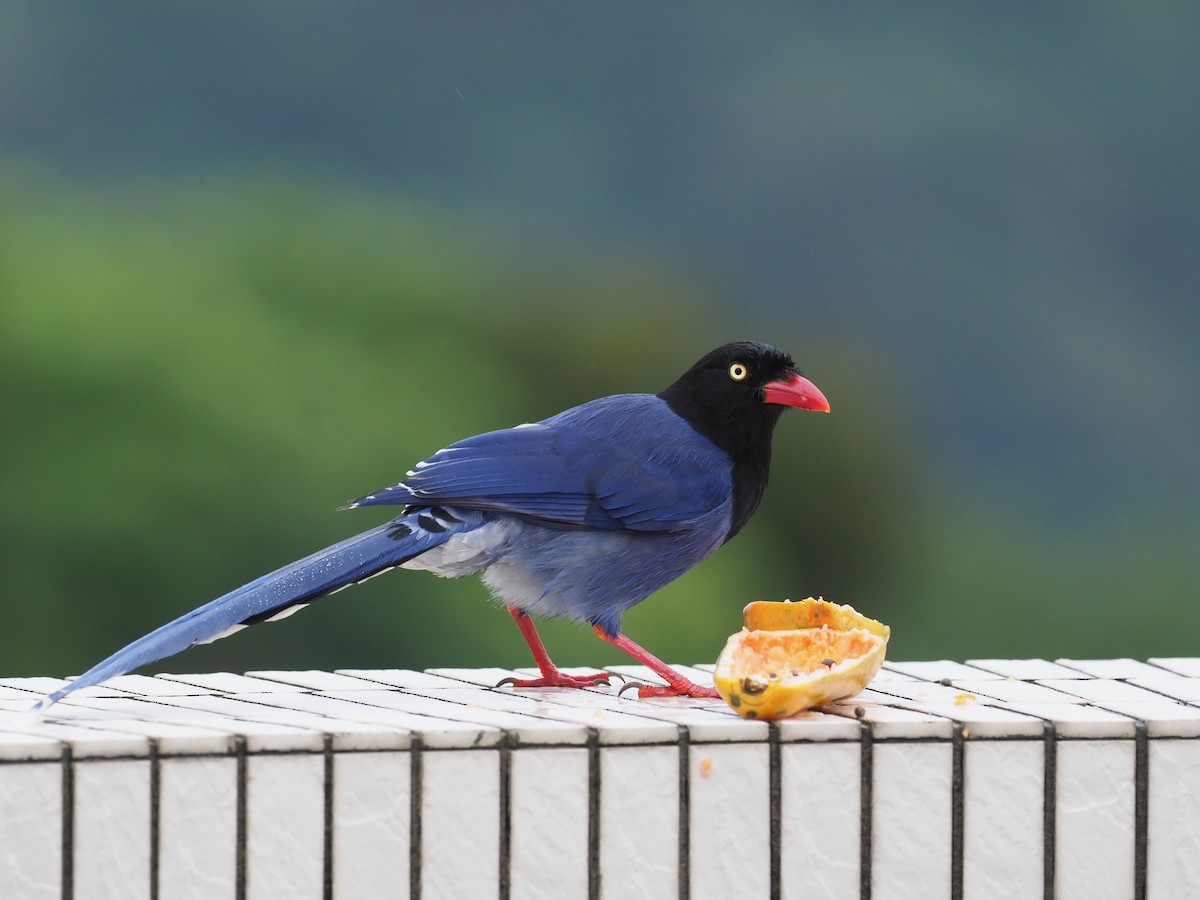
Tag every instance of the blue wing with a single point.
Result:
(622, 462)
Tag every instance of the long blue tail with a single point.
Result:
(270, 597)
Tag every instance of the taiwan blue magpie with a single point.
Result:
(582, 515)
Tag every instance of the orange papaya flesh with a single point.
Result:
(797, 656)
(774, 615)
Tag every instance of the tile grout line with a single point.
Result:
(776, 807)
(68, 823)
(155, 817)
(1141, 808)
(957, 809)
(866, 810)
(593, 836)
(504, 889)
(327, 840)
(685, 814)
(239, 743)
(414, 818)
(1049, 807)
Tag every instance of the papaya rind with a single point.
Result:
(786, 615)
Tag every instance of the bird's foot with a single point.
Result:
(559, 679)
(684, 688)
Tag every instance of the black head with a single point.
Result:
(734, 396)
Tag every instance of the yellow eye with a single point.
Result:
(738, 371)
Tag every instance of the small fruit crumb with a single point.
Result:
(963, 699)
(706, 765)
(827, 663)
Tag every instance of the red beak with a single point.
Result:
(797, 392)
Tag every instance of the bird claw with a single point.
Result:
(559, 679)
(688, 689)
(632, 684)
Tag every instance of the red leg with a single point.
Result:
(678, 685)
(551, 676)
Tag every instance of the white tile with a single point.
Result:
(730, 821)
(167, 710)
(910, 840)
(1010, 690)
(581, 709)
(197, 828)
(1002, 819)
(133, 717)
(812, 726)
(639, 822)
(1164, 718)
(41, 685)
(705, 723)
(820, 819)
(549, 841)
(371, 805)
(16, 746)
(285, 825)
(1173, 848)
(1189, 666)
(891, 723)
(8, 692)
(1079, 720)
(578, 708)
(1101, 690)
(936, 670)
(1025, 669)
(531, 729)
(316, 680)
(919, 690)
(1094, 817)
(1185, 689)
(402, 678)
(112, 829)
(980, 720)
(887, 673)
(295, 729)
(619, 720)
(86, 741)
(701, 676)
(147, 686)
(460, 824)
(31, 830)
(1111, 668)
(440, 733)
(231, 683)
(485, 677)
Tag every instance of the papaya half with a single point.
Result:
(790, 657)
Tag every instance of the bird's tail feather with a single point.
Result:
(273, 596)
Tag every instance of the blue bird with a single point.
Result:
(582, 515)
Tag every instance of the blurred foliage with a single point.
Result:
(193, 377)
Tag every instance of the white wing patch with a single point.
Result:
(232, 629)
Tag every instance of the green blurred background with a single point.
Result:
(257, 259)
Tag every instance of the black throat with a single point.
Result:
(744, 431)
